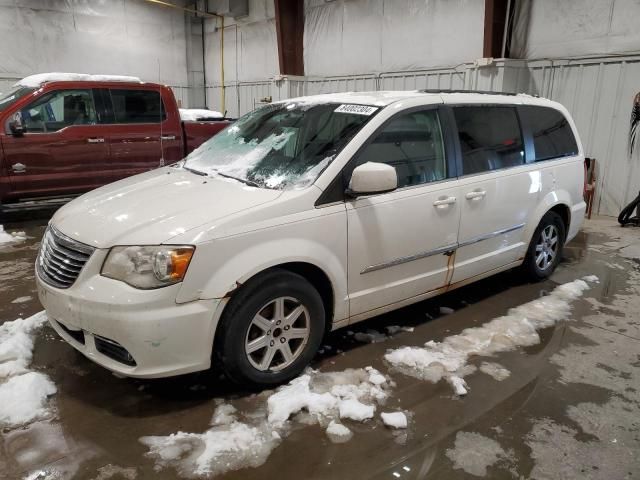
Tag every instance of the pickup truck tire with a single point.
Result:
(545, 249)
(270, 330)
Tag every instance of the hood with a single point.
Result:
(154, 207)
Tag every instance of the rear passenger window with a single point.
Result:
(552, 134)
(490, 138)
(137, 106)
(412, 144)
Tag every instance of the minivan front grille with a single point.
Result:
(61, 259)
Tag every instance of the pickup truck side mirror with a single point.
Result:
(370, 178)
(16, 125)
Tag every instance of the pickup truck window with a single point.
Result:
(59, 109)
(137, 106)
(13, 96)
(284, 145)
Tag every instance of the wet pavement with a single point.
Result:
(569, 408)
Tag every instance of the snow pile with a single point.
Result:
(233, 443)
(394, 419)
(195, 114)
(23, 393)
(34, 81)
(6, 237)
(448, 359)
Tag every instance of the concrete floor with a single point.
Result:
(570, 408)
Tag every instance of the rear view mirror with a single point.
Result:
(370, 178)
(16, 126)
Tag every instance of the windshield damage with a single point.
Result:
(280, 146)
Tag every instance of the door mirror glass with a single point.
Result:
(16, 125)
(370, 178)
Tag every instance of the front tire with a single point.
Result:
(270, 330)
(545, 248)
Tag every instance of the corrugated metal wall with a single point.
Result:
(597, 91)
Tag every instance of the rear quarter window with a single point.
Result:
(137, 106)
(551, 132)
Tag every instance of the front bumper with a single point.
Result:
(162, 338)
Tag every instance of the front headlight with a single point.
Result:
(148, 266)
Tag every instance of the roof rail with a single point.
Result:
(484, 92)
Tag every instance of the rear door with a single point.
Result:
(142, 133)
(400, 242)
(64, 150)
(498, 190)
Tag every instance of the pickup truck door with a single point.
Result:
(64, 150)
(143, 135)
(400, 243)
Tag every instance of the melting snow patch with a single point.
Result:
(394, 419)
(13, 237)
(474, 453)
(23, 394)
(370, 336)
(446, 310)
(22, 299)
(232, 444)
(495, 370)
(448, 359)
(393, 329)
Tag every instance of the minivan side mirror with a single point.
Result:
(370, 178)
(16, 126)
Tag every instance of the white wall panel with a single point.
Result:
(126, 37)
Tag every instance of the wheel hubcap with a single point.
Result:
(547, 247)
(277, 334)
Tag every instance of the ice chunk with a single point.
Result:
(446, 310)
(355, 410)
(338, 433)
(460, 387)
(394, 419)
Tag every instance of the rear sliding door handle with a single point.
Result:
(444, 201)
(19, 168)
(168, 137)
(95, 140)
(475, 195)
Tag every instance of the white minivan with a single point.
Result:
(305, 216)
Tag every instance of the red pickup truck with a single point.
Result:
(64, 134)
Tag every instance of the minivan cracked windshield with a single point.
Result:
(285, 145)
(305, 216)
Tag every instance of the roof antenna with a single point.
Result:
(160, 114)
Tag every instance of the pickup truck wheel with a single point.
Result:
(270, 330)
(545, 248)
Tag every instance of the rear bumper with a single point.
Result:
(577, 219)
(106, 319)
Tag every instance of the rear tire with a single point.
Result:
(545, 248)
(270, 330)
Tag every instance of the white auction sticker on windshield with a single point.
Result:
(356, 109)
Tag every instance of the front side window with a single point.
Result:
(57, 110)
(552, 134)
(137, 106)
(490, 138)
(411, 143)
(281, 146)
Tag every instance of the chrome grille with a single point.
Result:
(61, 258)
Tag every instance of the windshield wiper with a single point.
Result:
(197, 172)
(243, 180)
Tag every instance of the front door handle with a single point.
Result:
(443, 202)
(475, 195)
(95, 140)
(168, 137)
(19, 168)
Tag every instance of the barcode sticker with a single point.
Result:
(356, 109)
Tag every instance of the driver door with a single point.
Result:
(399, 243)
(63, 151)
